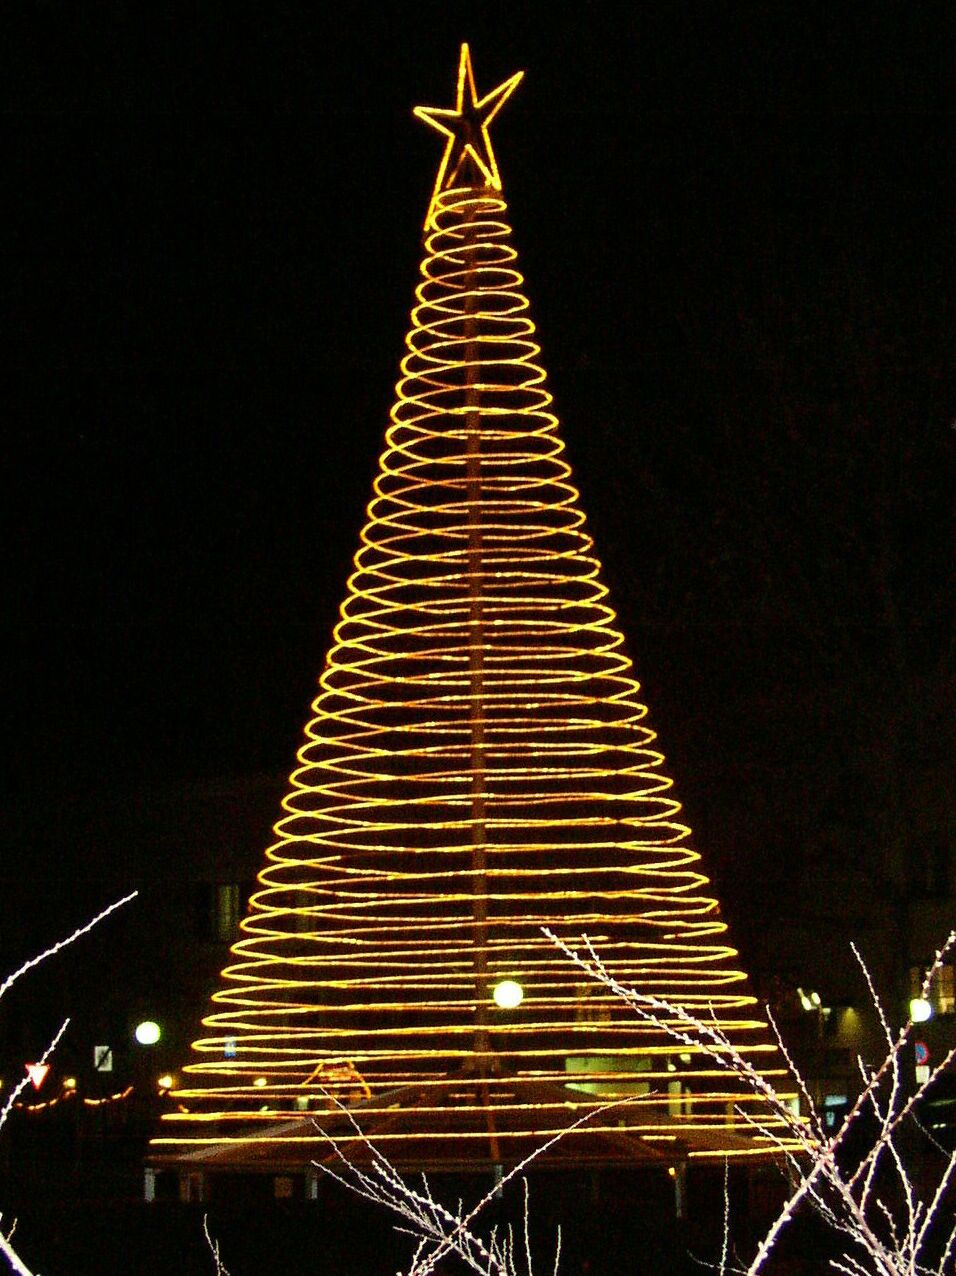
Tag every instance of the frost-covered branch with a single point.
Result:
(25, 1081)
(872, 1203)
(440, 1231)
(64, 943)
(14, 1260)
(220, 1268)
(10, 1254)
(875, 1210)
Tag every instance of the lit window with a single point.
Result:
(227, 910)
(942, 991)
(592, 1004)
(220, 908)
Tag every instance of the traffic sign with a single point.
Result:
(37, 1073)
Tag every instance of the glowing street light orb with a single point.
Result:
(147, 1033)
(508, 994)
(69, 1083)
(165, 1082)
(260, 1083)
(920, 1010)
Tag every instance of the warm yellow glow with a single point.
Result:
(466, 127)
(118, 1097)
(508, 994)
(165, 1082)
(478, 765)
(69, 1094)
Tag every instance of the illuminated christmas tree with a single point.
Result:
(477, 768)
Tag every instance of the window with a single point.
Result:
(931, 872)
(220, 907)
(227, 910)
(942, 991)
(593, 1004)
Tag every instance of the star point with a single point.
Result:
(465, 126)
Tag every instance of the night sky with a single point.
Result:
(737, 235)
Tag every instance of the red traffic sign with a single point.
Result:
(37, 1073)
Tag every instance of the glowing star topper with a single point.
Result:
(466, 128)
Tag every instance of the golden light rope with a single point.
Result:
(477, 766)
(70, 1095)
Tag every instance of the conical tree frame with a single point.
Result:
(478, 768)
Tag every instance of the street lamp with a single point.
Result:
(508, 994)
(147, 1033)
(920, 1010)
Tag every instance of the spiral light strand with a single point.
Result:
(478, 766)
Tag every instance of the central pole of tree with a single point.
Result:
(476, 684)
(476, 654)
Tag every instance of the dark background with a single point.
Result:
(736, 225)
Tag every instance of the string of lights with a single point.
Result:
(478, 765)
(69, 1094)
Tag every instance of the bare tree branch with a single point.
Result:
(874, 1210)
(6, 1247)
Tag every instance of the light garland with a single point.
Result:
(478, 766)
(69, 1096)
